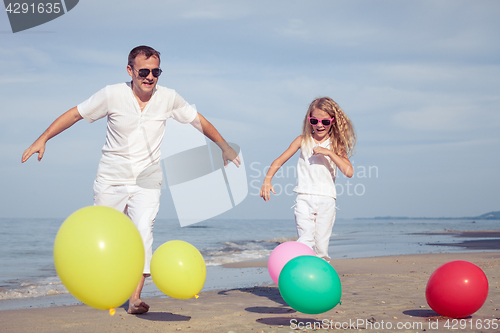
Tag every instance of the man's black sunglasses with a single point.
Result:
(144, 72)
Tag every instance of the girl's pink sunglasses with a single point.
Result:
(325, 122)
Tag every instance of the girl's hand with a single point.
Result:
(342, 162)
(265, 191)
(321, 151)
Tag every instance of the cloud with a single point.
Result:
(16, 58)
(216, 10)
(94, 56)
(436, 118)
(295, 28)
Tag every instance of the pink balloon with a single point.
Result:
(282, 254)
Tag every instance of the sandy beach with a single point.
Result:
(378, 293)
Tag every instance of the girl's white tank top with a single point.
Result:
(316, 173)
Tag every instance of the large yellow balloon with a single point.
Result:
(99, 256)
(178, 269)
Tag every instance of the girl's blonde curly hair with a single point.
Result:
(341, 132)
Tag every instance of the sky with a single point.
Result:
(419, 80)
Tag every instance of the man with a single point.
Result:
(129, 173)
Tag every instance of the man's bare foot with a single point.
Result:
(137, 307)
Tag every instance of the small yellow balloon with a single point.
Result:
(178, 269)
(99, 256)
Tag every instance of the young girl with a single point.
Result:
(327, 140)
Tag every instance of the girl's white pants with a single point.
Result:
(314, 218)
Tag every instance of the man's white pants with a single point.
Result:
(314, 218)
(140, 204)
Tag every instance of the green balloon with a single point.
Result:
(310, 285)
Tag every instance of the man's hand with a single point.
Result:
(64, 121)
(229, 154)
(37, 147)
(205, 127)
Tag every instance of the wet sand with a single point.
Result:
(489, 240)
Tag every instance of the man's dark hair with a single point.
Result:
(145, 50)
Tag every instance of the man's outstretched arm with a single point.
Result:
(66, 120)
(204, 126)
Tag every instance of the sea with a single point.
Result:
(28, 278)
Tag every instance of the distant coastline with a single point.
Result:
(488, 216)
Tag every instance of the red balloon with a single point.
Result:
(457, 289)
